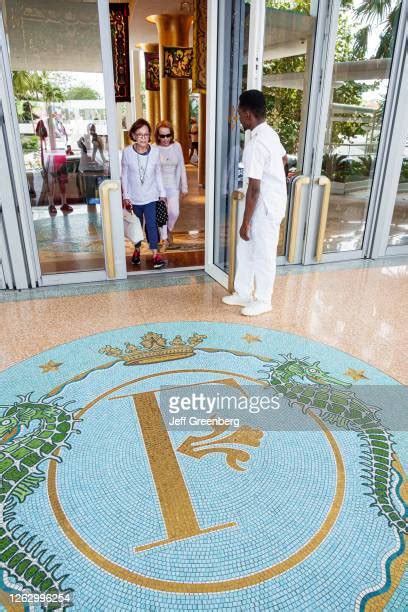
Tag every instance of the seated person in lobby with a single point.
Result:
(69, 150)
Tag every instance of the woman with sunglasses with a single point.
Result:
(142, 185)
(174, 176)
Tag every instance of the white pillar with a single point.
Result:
(137, 106)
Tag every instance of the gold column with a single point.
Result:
(152, 97)
(201, 138)
(174, 93)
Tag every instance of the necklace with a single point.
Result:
(142, 170)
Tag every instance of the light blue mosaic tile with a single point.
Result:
(279, 502)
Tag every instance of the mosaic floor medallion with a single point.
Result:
(201, 466)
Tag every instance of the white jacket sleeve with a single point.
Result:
(124, 176)
(182, 169)
(159, 178)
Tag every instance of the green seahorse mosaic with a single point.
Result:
(342, 408)
(23, 555)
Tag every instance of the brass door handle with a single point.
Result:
(104, 189)
(294, 226)
(325, 182)
(236, 196)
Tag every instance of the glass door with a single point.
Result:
(291, 41)
(60, 72)
(348, 156)
(325, 69)
(272, 46)
(231, 78)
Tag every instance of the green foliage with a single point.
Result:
(29, 144)
(404, 171)
(343, 169)
(34, 85)
(283, 111)
(24, 111)
(193, 107)
(299, 6)
(284, 105)
(81, 92)
(350, 93)
(372, 13)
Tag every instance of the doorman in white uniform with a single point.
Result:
(265, 204)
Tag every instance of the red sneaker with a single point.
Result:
(158, 262)
(136, 257)
(66, 208)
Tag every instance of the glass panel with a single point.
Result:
(399, 224)
(363, 54)
(287, 65)
(233, 36)
(58, 84)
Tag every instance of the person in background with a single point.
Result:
(264, 160)
(194, 140)
(97, 143)
(142, 185)
(174, 176)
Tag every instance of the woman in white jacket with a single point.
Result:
(174, 176)
(142, 185)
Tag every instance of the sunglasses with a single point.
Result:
(165, 135)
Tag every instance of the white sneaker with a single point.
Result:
(256, 308)
(236, 300)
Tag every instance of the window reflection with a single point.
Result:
(399, 224)
(363, 53)
(62, 125)
(288, 55)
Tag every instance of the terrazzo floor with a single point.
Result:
(360, 310)
(148, 512)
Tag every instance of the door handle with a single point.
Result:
(294, 226)
(232, 243)
(325, 182)
(104, 189)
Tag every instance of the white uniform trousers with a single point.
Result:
(256, 257)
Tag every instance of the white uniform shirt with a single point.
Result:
(136, 167)
(262, 159)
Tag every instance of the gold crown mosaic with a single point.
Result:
(154, 348)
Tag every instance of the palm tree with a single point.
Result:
(374, 13)
(22, 84)
(36, 86)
